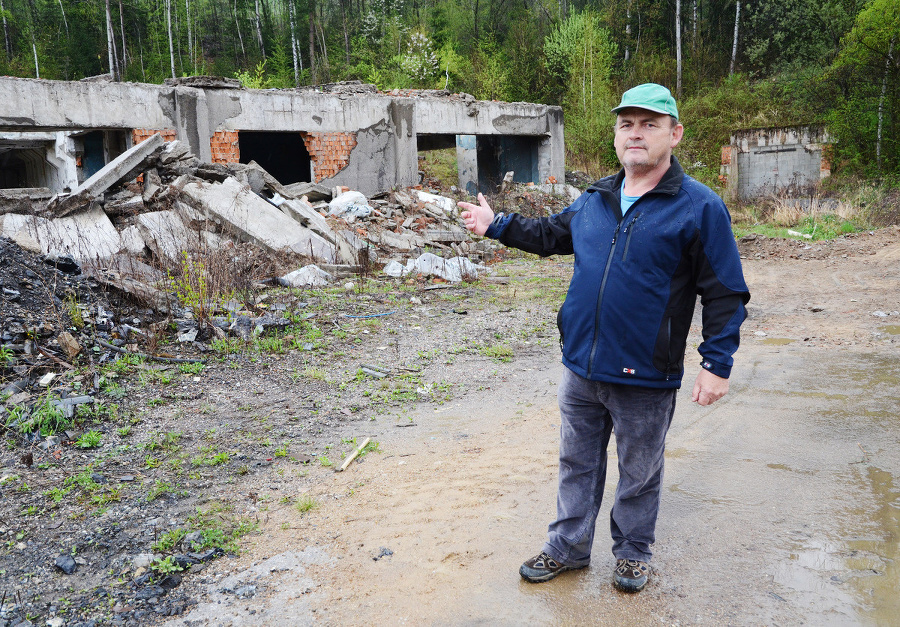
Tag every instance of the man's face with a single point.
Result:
(645, 139)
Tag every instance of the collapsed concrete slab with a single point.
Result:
(110, 174)
(24, 199)
(254, 219)
(82, 236)
(166, 234)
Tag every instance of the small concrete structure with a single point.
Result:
(768, 161)
(357, 137)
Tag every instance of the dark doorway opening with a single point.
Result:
(499, 154)
(283, 155)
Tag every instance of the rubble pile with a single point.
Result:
(157, 200)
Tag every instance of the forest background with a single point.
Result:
(732, 64)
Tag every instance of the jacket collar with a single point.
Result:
(669, 184)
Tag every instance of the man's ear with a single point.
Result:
(677, 134)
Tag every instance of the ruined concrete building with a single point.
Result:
(775, 161)
(56, 134)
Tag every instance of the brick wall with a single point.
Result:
(140, 134)
(329, 152)
(224, 147)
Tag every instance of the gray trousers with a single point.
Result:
(590, 410)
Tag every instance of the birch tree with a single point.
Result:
(734, 45)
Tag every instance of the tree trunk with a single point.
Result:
(312, 43)
(169, 27)
(347, 34)
(884, 82)
(628, 30)
(6, 32)
(37, 67)
(61, 10)
(294, 50)
(190, 33)
(678, 63)
(259, 37)
(694, 28)
(111, 45)
(737, 17)
(123, 61)
(237, 27)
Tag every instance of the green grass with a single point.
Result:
(305, 504)
(91, 439)
(500, 352)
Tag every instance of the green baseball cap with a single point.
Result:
(649, 96)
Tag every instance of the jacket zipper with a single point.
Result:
(668, 346)
(612, 252)
(629, 229)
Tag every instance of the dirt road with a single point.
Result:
(781, 502)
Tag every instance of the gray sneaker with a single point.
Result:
(542, 568)
(631, 575)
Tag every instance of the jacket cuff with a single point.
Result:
(498, 225)
(720, 370)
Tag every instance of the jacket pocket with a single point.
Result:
(671, 340)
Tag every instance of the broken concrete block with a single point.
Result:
(350, 204)
(452, 234)
(108, 175)
(401, 242)
(173, 151)
(215, 172)
(152, 185)
(254, 219)
(307, 276)
(166, 234)
(313, 191)
(83, 236)
(350, 246)
(453, 270)
(395, 269)
(124, 207)
(132, 241)
(307, 216)
(24, 200)
(447, 205)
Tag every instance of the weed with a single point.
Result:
(312, 372)
(151, 462)
(112, 389)
(325, 461)
(206, 458)
(57, 494)
(191, 368)
(166, 566)
(73, 309)
(91, 439)
(158, 489)
(6, 356)
(46, 417)
(169, 540)
(500, 352)
(124, 432)
(281, 451)
(306, 504)
(227, 346)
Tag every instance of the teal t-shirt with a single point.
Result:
(626, 201)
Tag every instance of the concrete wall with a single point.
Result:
(784, 160)
(376, 152)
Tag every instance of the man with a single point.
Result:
(646, 241)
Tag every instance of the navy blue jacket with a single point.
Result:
(629, 306)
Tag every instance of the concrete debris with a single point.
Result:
(24, 200)
(116, 170)
(255, 220)
(157, 201)
(454, 270)
(307, 276)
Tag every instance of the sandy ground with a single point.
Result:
(781, 503)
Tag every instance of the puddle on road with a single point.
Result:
(892, 329)
(777, 341)
(857, 575)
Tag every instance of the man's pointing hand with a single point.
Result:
(477, 218)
